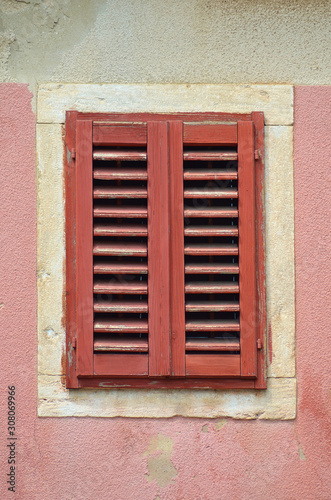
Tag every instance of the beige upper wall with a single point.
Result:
(195, 41)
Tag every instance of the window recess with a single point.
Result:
(165, 256)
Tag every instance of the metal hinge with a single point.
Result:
(257, 154)
(259, 343)
(74, 343)
(73, 153)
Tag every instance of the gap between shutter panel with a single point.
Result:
(120, 261)
(212, 309)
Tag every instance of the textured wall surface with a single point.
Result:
(197, 41)
(179, 458)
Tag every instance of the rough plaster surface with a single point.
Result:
(221, 459)
(192, 41)
(279, 400)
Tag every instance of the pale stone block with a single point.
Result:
(279, 209)
(276, 101)
(277, 402)
(50, 255)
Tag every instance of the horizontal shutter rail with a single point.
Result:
(210, 365)
(221, 212)
(120, 364)
(122, 212)
(210, 156)
(213, 345)
(211, 306)
(120, 134)
(120, 268)
(116, 249)
(108, 174)
(121, 326)
(120, 306)
(121, 344)
(130, 288)
(209, 175)
(119, 192)
(210, 193)
(119, 230)
(212, 326)
(212, 287)
(210, 249)
(211, 231)
(210, 134)
(125, 155)
(211, 268)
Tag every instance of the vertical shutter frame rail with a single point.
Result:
(165, 362)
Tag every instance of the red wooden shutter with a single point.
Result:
(120, 252)
(165, 273)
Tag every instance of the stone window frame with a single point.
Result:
(276, 101)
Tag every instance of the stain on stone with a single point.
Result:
(159, 464)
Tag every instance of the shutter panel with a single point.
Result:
(167, 275)
(212, 308)
(120, 263)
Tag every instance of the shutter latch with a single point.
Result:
(73, 153)
(257, 154)
(259, 343)
(74, 343)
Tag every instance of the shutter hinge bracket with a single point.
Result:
(257, 154)
(74, 343)
(259, 343)
(73, 153)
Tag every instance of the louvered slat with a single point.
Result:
(121, 326)
(213, 345)
(119, 192)
(212, 287)
(130, 344)
(109, 174)
(210, 249)
(121, 306)
(115, 248)
(130, 287)
(209, 174)
(214, 155)
(210, 193)
(122, 212)
(211, 230)
(110, 155)
(211, 268)
(119, 230)
(211, 306)
(204, 212)
(120, 268)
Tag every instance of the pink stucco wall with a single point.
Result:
(85, 458)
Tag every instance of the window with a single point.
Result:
(165, 254)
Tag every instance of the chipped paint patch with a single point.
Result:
(159, 464)
(302, 456)
(220, 424)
